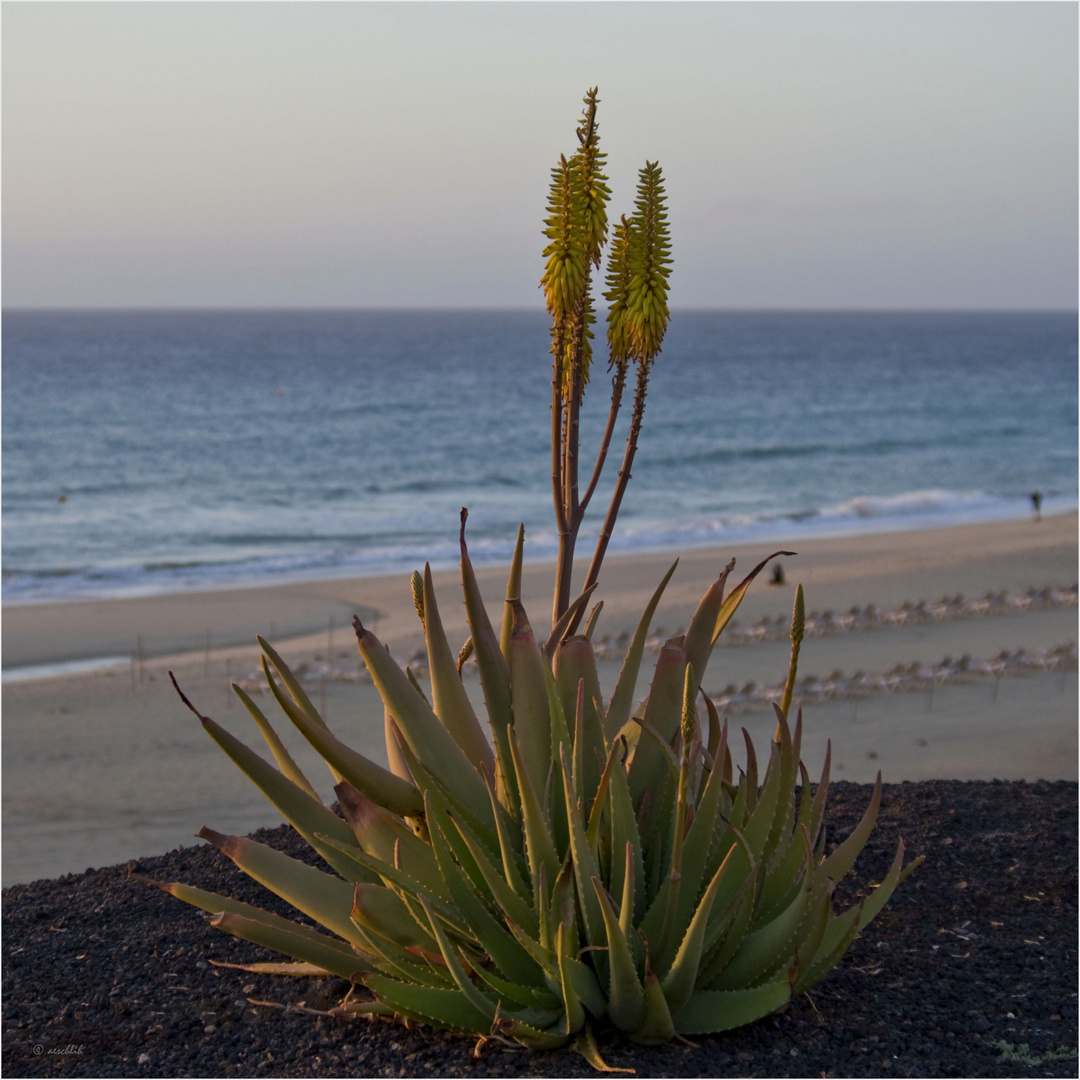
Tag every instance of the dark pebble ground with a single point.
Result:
(970, 971)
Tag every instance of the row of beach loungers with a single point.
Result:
(903, 678)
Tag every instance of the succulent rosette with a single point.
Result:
(591, 864)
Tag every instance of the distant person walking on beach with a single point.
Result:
(1036, 502)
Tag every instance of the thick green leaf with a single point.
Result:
(784, 818)
(450, 701)
(554, 801)
(326, 899)
(476, 997)
(727, 927)
(657, 1027)
(699, 634)
(626, 995)
(652, 767)
(503, 948)
(762, 948)
(717, 735)
(539, 847)
(393, 739)
(327, 954)
(760, 821)
(301, 969)
(483, 828)
(513, 905)
(587, 1048)
(510, 847)
(622, 699)
(411, 891)
(529, 694)
(575, 1010)
(535, 1038)
(681, 977)
(366, 776)
(513, 592)
(282, 756)
(710, 1011)
(494, 676)
(307, 815)
(448, 1009)
(212, 903)
(817, 811)
(661, 926)
(842, 929)
(389, 958)
(593, 619)
(585, 985)
(696, 848)
(382, 834)
(528, 997)
(819, 917)
(575, 664)
(783, 879)
(843, 858)
(424, 733)
(585, 868)
(382, 911)
(290, 680)
(624, 832)
(735, 598)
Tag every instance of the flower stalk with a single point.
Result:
(576, 228)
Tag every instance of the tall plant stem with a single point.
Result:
(570, 509)
(624, 478)
(618, 383)
(561, 519)
(571, 519)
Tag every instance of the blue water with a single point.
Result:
(205, 449)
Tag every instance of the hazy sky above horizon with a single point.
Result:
(370, 155)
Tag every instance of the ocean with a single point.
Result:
(152, 452)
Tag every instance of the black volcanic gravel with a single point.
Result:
(973, 959)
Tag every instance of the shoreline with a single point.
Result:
(870, 526)
(957, 558)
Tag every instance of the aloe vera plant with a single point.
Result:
(575, 863)
(592, 864)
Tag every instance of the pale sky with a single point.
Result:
(859, 155)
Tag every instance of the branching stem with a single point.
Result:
(624, 477)
(618, 383)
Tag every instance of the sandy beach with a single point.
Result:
(103, 766)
